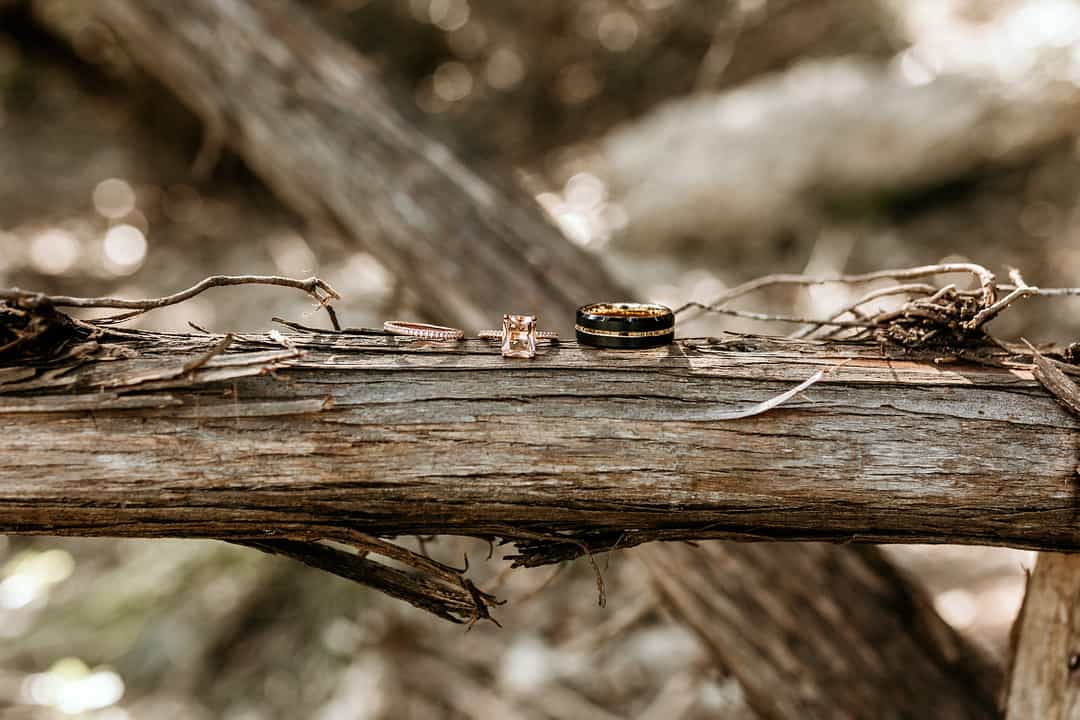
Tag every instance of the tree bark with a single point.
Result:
(1043, 682)
(579, 449)
(880, 622)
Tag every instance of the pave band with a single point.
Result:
(624, 325)
(423, 331)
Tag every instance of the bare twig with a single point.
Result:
(985, 277)
(1047, 292)
(947, 317)
(873, 295)
(314, 286)
(344, 331)
(1020, 291)
(311, 285)
(775, 318)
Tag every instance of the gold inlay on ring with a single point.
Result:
(626, 310)
(625, 333)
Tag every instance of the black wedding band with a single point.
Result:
(624, 325)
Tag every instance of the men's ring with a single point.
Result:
(519, 336)
(423, 331)
(624, 325)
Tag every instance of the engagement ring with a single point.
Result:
(519, 336)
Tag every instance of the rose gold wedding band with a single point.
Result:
(424, 331)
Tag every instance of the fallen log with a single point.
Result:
(579, 450)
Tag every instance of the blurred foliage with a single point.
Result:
(559, 73)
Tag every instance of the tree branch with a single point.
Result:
(578, 451)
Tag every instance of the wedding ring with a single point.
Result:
(519, 336)
(624, 325)
(423, 331)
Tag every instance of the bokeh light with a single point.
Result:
(124, 249)
(448, 15)
(54, 251)
(28, 576)
(291, 254)
(504, 69)
(73, 688)
(617, 30)
(452, 81)
(114, 198)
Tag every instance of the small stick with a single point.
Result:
(1021, 291)
(1047, 292)
(777, 318)
(873, 295)
(985, 277)
(312, 286)
(343, 331)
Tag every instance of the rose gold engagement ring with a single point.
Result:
(422, 331)
(519, 336)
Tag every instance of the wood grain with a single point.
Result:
(1044, 682)
(579, 448)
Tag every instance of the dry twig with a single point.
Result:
(985, 277)
(945, 318)
(314, 286)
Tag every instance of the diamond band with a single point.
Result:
(422, 331)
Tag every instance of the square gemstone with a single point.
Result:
(519, 336)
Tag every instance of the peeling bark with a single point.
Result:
(579, 449)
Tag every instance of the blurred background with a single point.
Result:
(689, 144)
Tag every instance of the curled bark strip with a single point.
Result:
(459, 602)
(1056, 382)
(766, 405)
